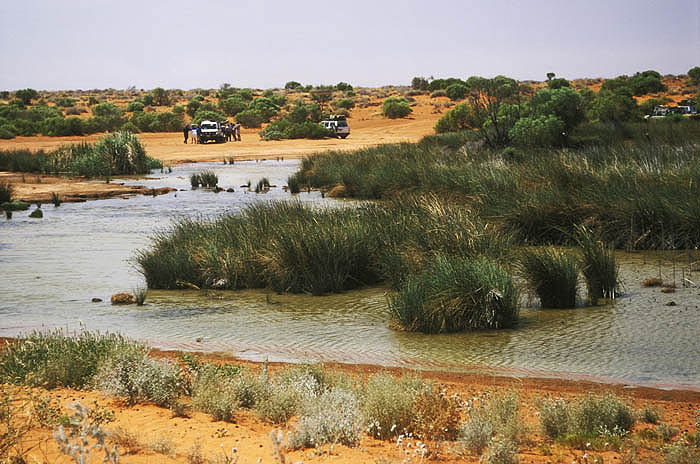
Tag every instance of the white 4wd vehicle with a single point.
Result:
(211, 130)
(338, 125)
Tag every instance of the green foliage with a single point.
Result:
(456, 91)
(208, 115)
(343, 86)
(694, 74)
(598, 266)
(558, 83)
(541, 131)
(65, 102)
(292, 85)
(192, 107)
(495, 101)
(249, 118)
(639, 84)
(161, 97)
(396, 107)
(26, 95)
(442, 84)
(453, 295)
(614, 107)
(680, 453)
(206, 178)
(347, 103)
(387, 404)
(591, 416)
(109, 116)
(564, 103)
(215, 394)
(552, 275)
(419, 83)
(54, 359)
(264, 107)
(135, 106)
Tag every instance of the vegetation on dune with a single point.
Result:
(114, 154)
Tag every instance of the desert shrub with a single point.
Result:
(265, 107)
(387, 404)
(459, 118)
(558, 83)
(161, 97)
(231, 106)
(214, 394)
(542, 131)
(456, 91)
(347, 103)
(475, 434)
(649, 415)
(292, 85)
(502, 452)
(5, 192)
(65, 102)
(59, 126)
(438, 93)
(135, 106)
(55, 359)
(333, 417)
(204, 114)
(453, 295)
(75, 111)
(249, 118)
(436, 416)
(590, 417)
(419, 83)
(552, 275)
(694, 74)
(396, 107)
(680, 453)
(26, 95)
(7, 131)
(287, 395)
(131, 373)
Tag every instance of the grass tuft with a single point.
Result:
(552, 275)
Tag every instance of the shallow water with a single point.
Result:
(50, 269)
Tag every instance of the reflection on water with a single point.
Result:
(51, 269)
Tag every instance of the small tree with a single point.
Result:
(419, 83)
(26, 95)
(291, 85)
(456, 91)
(343, 86)
(694, 74)
(550, 76)
(558, 83)
(497, 102)
(231, 106)
(249, 118)
(160, 97)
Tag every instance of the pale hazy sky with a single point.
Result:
(74, 44)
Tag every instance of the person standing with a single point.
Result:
(193, 134)
(186, 132)
(199, 134)
(237, 129)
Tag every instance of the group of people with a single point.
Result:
(232, 131)
(194, 132)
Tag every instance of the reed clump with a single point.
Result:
(206, 178)
(5, 192)
(454, 295)
(552, 275)
(598, 265)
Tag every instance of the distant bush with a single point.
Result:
(459, 118)
(292, 85)
(207, 115)
(558, 83)
(249, 118)
(7, 131)
(192, 107)
(396, 107)
(456, 91)
(161, 97)
(135, 106)
(265, 107)
(347, 103)
(343, 86)
(179, 110)
(442, 84)
(694, 74)
(65, 102)
(26, 95)
(438, 93)
(419, 83)
(75, 110)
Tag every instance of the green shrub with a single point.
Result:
(387, 404)
(135, 106)
(249, 118)
(475, 434)
(7, 131)
(396, 107)
(419, 83)
(55, 359)
(454, 295)
(292, 85)
(555, 417)
(231, 106)
(346, 103)
(694, 74)
(680, 453)
(214, 394)
(650, 415)
(459, 118)
(552, 275)
(543, 131)
(456, 91)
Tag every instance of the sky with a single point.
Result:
(96, 44)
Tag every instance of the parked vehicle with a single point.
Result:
(338, 125)
(212, 130)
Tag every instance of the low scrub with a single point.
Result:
(214, 394)
(590, 417)
(396, 107)
(54, 359)
(498, 417)
(454, 295)
(552, 275)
